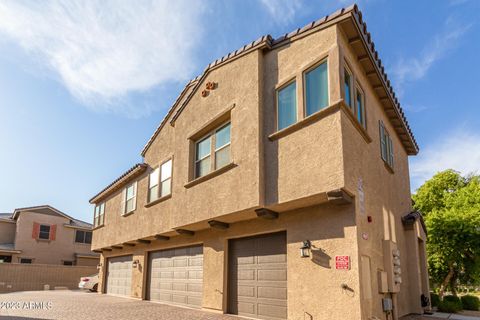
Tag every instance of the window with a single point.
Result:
(360, 108)
(386, 146)
(208, 159)
(44, 232)
(68, 263)
(348, 89)
(166, 178)
(153, 185)
(130, 196)
(83, 236)
(316, 89)
(25, 260)
(287, 106)
(160, 182)
(5, 259)
(99, 217)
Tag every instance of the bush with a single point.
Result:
(449, 306)
(434, 299)
(470, 302)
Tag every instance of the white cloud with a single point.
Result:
(282, 11)
(459, 150)
(412, 69)
(104, 50)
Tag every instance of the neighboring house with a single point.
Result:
(276, 187)
(45, 235)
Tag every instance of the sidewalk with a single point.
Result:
(450, 316)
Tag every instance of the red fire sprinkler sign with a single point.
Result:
(342, 262)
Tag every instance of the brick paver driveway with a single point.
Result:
(80, 305)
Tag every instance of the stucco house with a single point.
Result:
(276, 187)
(45, 235)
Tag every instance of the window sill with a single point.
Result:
(128, 213)
(388, 167)
(154, 202)
(363, 132)
(98, 227)
(210, 175)
(44, 240)
(306, 121)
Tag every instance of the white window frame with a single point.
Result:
(160, 189)
(125, 199)
(157, 184)
(346, 70)
(213, 151)
(99, 216)
(358, 90)
(386, 146)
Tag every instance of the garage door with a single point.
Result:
(258, 277)
(119, 275)
(175, 276)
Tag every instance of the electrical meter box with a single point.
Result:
(392, 263)
(387, 304)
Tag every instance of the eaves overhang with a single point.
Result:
(127, 176)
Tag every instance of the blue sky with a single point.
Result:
(84, 84)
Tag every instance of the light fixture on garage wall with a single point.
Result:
(136, 263)
(305, 249)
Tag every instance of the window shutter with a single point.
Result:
(124, 201)
(36, 230)
(53, 232)
(390, 151)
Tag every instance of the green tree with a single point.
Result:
(451, 207)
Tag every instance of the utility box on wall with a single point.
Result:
(382, 282)
(391, 260)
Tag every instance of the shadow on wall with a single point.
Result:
(320, 257)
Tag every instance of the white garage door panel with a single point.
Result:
(119, 275)
(176, 276)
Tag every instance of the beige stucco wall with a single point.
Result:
(28, 277)
(7, 232)
(387, 195)
(320, 154)
(63, 248)
(332, 232)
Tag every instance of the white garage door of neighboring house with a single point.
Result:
(175, 276)
(119, 275)
(258, 276)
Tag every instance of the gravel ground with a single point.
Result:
(81, 305)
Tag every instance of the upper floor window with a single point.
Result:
(83, 236)
(44, 232)
(386, 146)
(160, 181)
(99, 217)
(360, 107)
(316, 88)
(286, 105)
(212, 151)
(166, 178)
(130, 198)
(348, 88)
(26, 260)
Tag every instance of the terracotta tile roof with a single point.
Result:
(268, 42)
(133, 171)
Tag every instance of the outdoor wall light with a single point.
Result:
(136, 263)
(305, 249)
